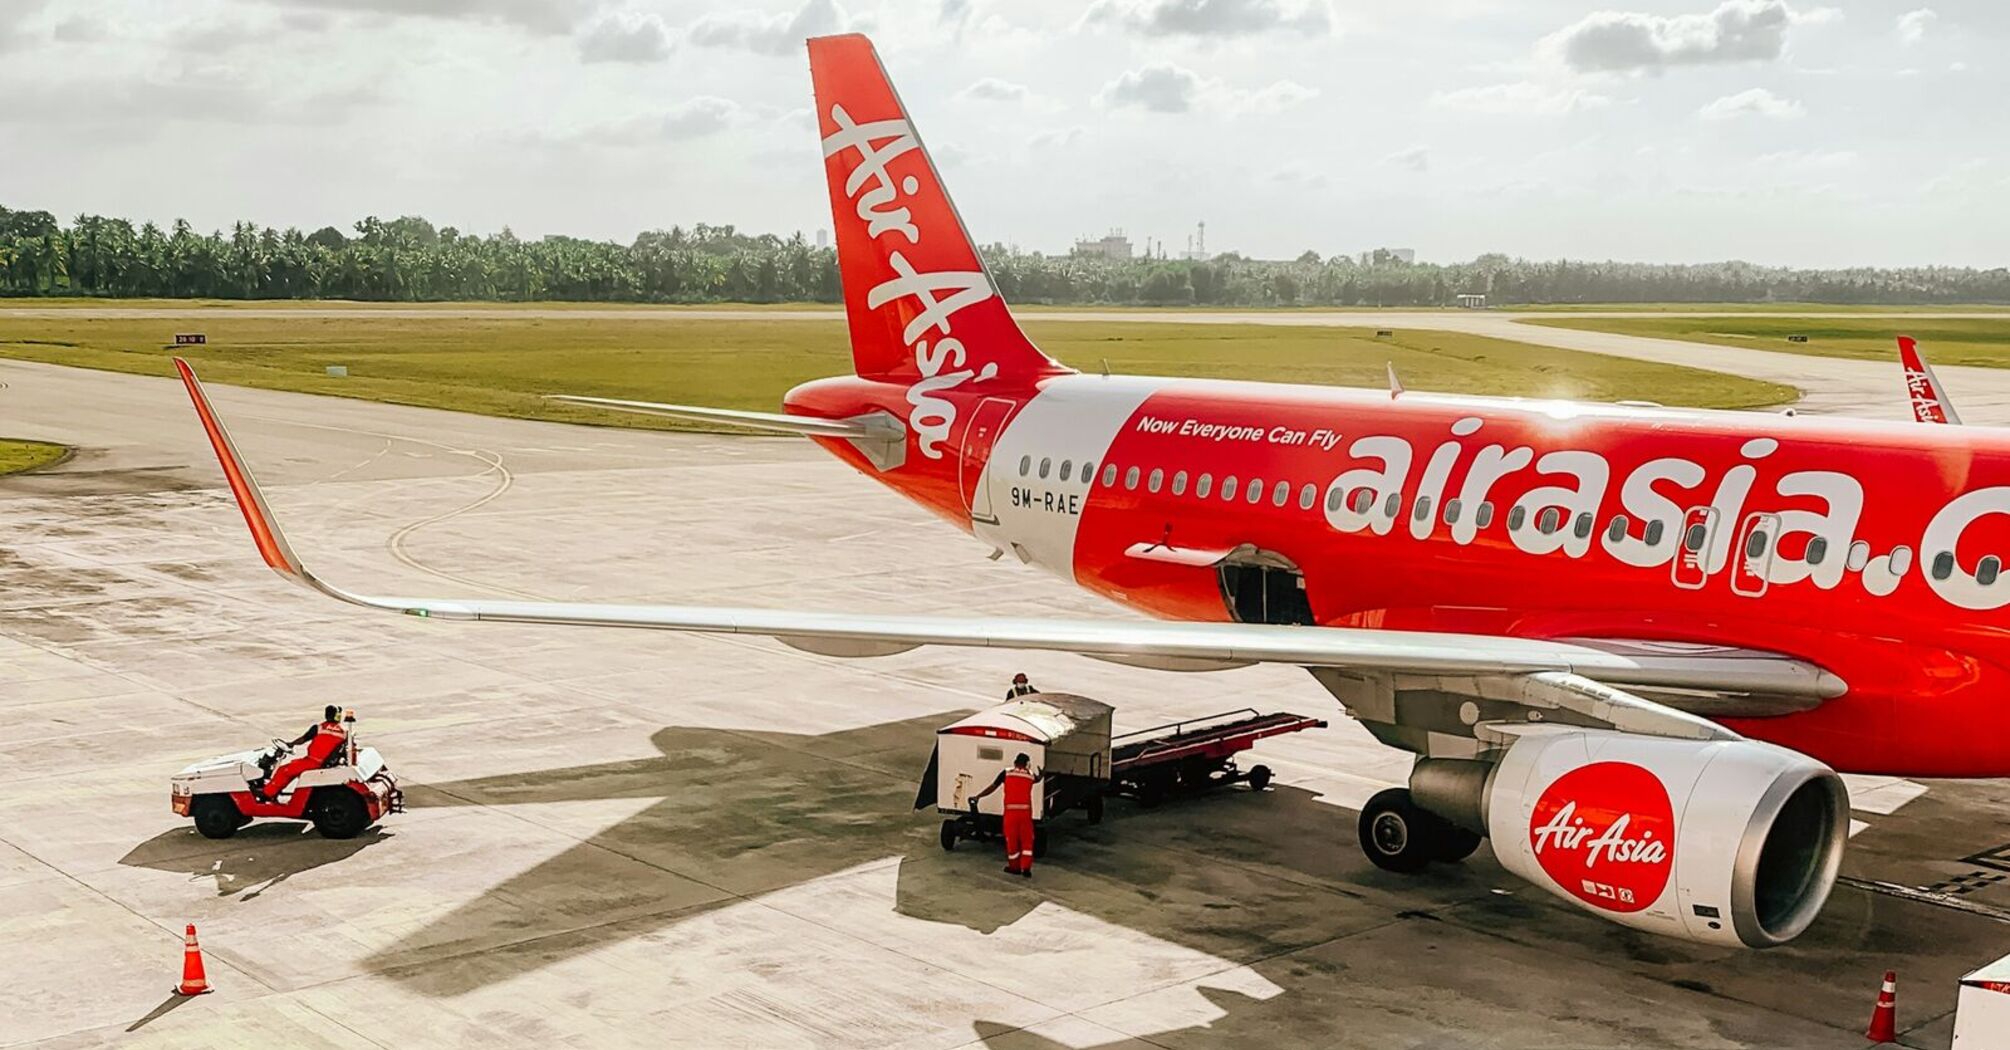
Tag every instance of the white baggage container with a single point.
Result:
(1066, 737)
(1982, 1011)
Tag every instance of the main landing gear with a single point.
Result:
(1398, 835)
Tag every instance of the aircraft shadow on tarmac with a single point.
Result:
(257, 858)
(741, 814)
(1272, 879)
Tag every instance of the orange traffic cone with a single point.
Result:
(1884, 1019)
(193, 982)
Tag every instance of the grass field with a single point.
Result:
(1945, 341)
(1793, 309)
(17, 456)
(501, 365)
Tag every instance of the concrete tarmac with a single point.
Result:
(627, 838)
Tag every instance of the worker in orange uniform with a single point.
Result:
(1018, 784)
(323, 740)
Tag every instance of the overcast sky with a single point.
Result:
(1849, 134)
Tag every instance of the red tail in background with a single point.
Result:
(921, 306)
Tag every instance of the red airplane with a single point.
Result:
(1630, 644)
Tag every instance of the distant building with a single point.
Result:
(1196, 245)
(1113, 245)
(823, 238)
(1472, 301)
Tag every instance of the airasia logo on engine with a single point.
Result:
(1606, 833)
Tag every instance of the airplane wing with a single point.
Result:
(1929, 398)
(1577, 682)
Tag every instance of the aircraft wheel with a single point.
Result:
(216, 816)
(1396, 835)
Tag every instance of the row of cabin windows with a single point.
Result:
(1548, 521)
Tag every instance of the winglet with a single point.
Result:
(1929, 398)
(1395, 385)
(264, 530)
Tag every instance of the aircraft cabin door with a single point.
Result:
(1753, 555)
(978, 437)
(1691, 568)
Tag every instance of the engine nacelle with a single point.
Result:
(1727, 842)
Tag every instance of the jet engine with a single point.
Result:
(1725, 842)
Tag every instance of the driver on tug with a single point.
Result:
(323, 740)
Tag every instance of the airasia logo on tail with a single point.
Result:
(936, 297)
(1606, 833)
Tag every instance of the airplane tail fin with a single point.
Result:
(919, 301)
(1929, 399)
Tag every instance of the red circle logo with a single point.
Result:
(1606, 833)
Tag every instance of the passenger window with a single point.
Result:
(1307, 496)
(1025, 465)
(1986, 570)
(1583, 529)
(1228, 487)
(1422, 511)
(1755, 547)
(1901, 560)
(1279, 493)
(1693, 539)
(1334, 499)
(1179, 483)
(1363, 499)
(1617, 530)
(1859, 555)
(1451, 512)
(1943, 565)
(1158, 478)
(1131, 479)
(1044, 465)
(1109, 474)
(1818, 549)
(1393, 505)
(1066, 466)
(1549, 520)
(1204, 486)
(1516, 515)
(1088, 470)
(1255, 491)
(1485, 516)
(1655, 530)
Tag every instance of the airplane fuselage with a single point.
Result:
(1868, 549)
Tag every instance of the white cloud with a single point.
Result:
(82, 29)
(625, 36)
(992, 89)
(1058, 138)
(544, 16)
(1416, 158)
(1753, 102)
(1623, 41)
(1213, 18)
(700, 116)
(1912, 25)
(779, 34)
(1169, 88)
(1519, 98)
(1160, 89)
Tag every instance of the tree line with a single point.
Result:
(410, 260)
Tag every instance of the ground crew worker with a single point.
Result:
(1021, 686)
(1018, 784)
(323, 739)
